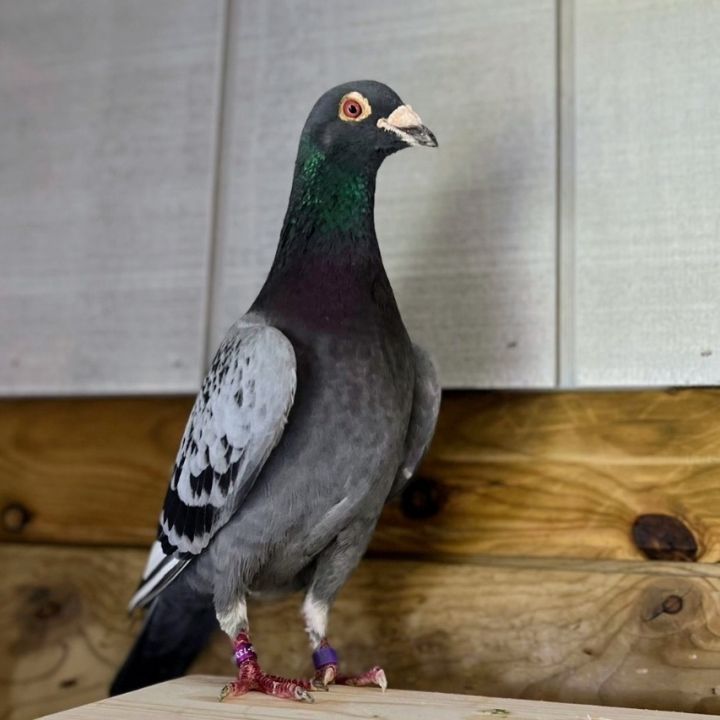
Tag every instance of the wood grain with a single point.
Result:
(87, 471)
(467, 231)
(196, 695)
(646, 115)
(566, 474)
(108, 116)
(622, 636)
(514, 474)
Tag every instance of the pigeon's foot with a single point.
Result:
(251, 677)
(327, 675)
(326, 672)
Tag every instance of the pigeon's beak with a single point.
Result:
(407, 125)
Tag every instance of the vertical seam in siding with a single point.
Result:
(222, 91)
(566, 370)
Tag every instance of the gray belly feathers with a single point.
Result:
(336, 462)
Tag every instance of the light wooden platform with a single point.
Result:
(196, 697)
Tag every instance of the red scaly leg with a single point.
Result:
(251, 677)
(375, 677)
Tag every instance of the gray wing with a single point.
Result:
(426, 405)
(238, 418)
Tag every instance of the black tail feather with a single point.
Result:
(177, 627)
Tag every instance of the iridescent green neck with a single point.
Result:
(328, 255)
(329, 194)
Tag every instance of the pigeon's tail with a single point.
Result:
(177, 627)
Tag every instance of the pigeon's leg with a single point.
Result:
(325, 658)
(234, 622)
(332, 570)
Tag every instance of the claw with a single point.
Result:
(328, 675)
(381, 679)
(303, 695)
(233, 689)
(324, 677)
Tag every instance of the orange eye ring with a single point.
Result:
(354, 107)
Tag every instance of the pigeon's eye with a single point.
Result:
(354, 107)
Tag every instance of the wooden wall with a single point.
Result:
(555, 546)
(563, 234)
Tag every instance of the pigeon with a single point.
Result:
(316, 410)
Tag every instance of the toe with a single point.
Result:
(284, 688)
(233, 689)
(302, 695)
(374, 677)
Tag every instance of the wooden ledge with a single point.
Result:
(197, 697)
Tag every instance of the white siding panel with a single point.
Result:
(468, 230)
(107, 136)
(647, 225)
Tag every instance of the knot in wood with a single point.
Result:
(15, 517)
(664, 537)
(48, 609)
(672, 604)
(422, 499)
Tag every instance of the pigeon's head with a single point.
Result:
(363, 122)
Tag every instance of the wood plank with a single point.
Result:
(87, 471)
(514, 474)
(196, 695)
(467, 231)
(566, 474)
(508, 474)
(623, 636)
(108, 116)
(647, 177)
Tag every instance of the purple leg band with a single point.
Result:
(244, 651)
(323, 656)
